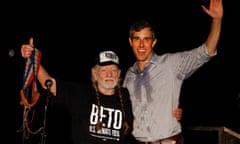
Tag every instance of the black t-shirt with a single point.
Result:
(79, 102)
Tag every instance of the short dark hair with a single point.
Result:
(139, 25)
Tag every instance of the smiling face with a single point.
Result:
(107, 77)
(142, 43)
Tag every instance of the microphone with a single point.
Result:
(48, 84)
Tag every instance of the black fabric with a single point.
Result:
(72, 117)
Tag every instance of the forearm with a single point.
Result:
(43, 76)
(213, 36)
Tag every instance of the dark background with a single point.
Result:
(69, 34)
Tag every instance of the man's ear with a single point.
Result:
(94, 73)
(130, 41)
(154, 42)
(120, 72)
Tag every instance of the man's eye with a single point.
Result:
(148, 39)
(135, 38)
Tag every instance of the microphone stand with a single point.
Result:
(48, 83)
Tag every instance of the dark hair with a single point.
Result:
(139, 25)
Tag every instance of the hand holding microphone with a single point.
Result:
(50, 85)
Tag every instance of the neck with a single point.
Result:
(107, 92)
(140, 65)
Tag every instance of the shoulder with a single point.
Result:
(125, 93)
(124, 90)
